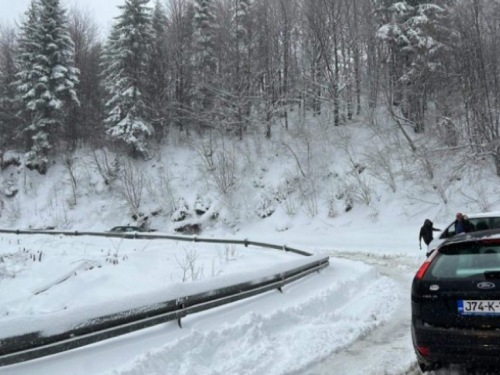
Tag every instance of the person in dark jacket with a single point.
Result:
(469, 227)
(459, 224)
(426, 232)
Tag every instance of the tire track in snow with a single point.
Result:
(387, 349)
(258, 334)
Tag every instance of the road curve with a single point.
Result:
(388, 349)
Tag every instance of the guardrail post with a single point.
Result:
(319, 264)
(282, 278)
(284, 248)
(17, 231)
(76, 233)
(179, 317)
(195, 239)
(245, 242)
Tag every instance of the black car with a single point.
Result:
(456, 303)
(127, 229)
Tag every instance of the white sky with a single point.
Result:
(102, 10)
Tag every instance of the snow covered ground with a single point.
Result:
(274, 333)
(351, 319)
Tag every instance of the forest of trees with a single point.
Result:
(236, 66)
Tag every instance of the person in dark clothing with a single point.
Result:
(426, 232)
(469, 227)
(459, 224)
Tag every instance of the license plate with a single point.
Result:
(479, 307)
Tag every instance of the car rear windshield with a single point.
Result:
(467, 260)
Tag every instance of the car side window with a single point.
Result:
(449, 232)
(495, 222)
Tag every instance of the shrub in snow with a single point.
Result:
(332, 207)
(309, 196)
(108, 168)
(9, 188)
(133, 180)
(358, 186)
(349, 204)
(359, 168)
(265, 207)
(227, 253)
(188, 264)
(181, 212)
(283, 194)
(141, 220)
(279, 194)
(220, 162)
(10, 160)
(34, 161)
(380, 164)
(189, 229)
(202, 205)
(258, 182)
(230, 215)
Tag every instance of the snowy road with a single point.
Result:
(388, 349)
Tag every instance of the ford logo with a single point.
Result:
(486, 285)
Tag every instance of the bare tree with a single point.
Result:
(85, 122)
(134, 181)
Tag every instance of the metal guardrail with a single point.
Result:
(35, 345)
(150, 236)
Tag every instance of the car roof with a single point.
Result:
(484, 214)
(492, 234)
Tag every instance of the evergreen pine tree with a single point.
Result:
(242, 62)
(204, 59)
(412, 31)
(47, 78)
(158, 80)
(8, 104)
(126, 60)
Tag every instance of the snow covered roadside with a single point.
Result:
(273, 333)
(58, 282)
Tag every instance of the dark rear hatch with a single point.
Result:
(462, 277)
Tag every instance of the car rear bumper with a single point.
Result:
(457, 346)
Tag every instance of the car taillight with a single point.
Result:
(425, 351)
(423, 269)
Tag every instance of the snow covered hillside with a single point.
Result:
(316, 180)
